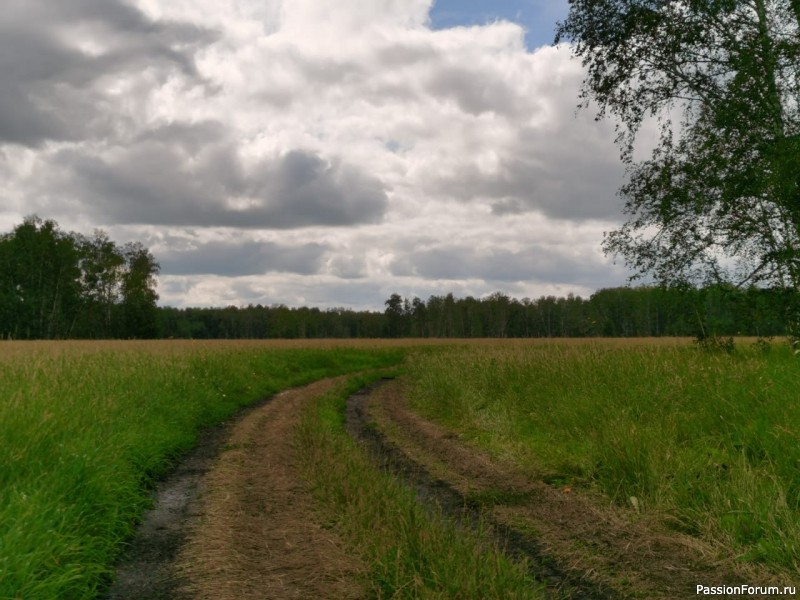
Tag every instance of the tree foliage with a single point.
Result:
(719, 197)
(55, 284)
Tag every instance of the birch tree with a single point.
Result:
(719, 197)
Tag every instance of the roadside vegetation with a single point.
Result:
(87, 428)
(412, 551)
(706, 439)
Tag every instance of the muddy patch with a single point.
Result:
(146, 569)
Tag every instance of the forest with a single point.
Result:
(614, 312)
(59, 285)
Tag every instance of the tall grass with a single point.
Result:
(709, 439)
(85, 430)
(412, 552)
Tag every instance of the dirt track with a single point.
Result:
(245, 528)
(236, 521)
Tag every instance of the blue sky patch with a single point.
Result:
(538, 17)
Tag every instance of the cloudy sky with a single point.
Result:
(308, 152)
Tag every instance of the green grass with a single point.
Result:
(85, 432)
(710, 440)
(411, 551)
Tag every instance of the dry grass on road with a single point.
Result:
(257, 536)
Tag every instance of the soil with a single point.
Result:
(235, 520)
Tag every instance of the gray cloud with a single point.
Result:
(348, 266)
(497, 265)
(52, 86)
(191, 138)
(246, 258)
(475, 90)
(301, 189)
(191, 174)
(570, 173)
(397, 54)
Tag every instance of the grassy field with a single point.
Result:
(87, 427)
(709, 440)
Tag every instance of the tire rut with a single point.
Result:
(438, 493)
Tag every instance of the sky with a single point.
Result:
(303, 152)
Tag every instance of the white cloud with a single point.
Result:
(348, 133)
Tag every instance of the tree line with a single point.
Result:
(56, 284)
(615, 312)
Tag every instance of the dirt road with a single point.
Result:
(236, 521)
(243, 526)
